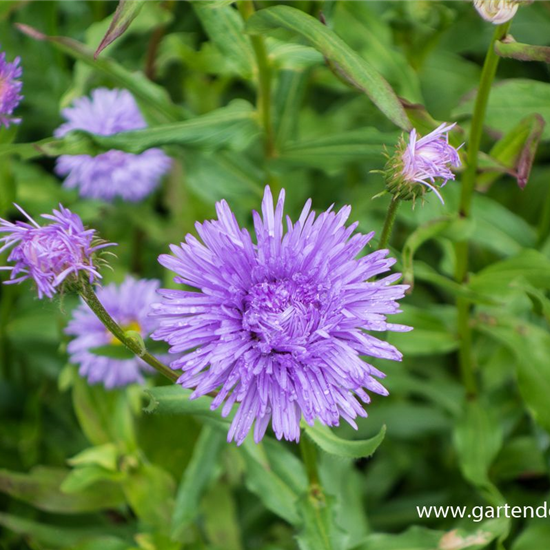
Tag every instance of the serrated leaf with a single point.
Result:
(351, 66)
(126, 12)
(332, 444)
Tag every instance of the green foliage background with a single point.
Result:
(87, 469)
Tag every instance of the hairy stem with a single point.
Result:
(87, 293)
(388, 223)
(468, 185)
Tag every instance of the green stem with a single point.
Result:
(246, 8)
(309, 456)
(388, 223)
(465, 209)
(87, 293)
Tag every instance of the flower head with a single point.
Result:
(49, 254)
(422, 161)
(114, 173)
(279, 326)
(129, 305)
(10, 89)
(497, 11)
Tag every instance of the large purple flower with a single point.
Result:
(424, 160)
(50, 254)
(129, 305)
(10, 89)
(114, 173)
(279, 326)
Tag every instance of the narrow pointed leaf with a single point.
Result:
(349, 64)
(126, 12)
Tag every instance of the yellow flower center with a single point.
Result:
(133, 326)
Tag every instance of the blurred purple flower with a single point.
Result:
(114, 173)
(10, 89)
(49, 254)
(279, 326)
(129, 305)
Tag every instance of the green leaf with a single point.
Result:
(348, 63)
(87, 476)
(319, 530)
(335, 151)
(126, 12)
(196, 478)
(515, 152)
(531, 346)
(531, 538)
(175, 400)
(433, 331)
(456, 229)
(234, 125)
(332, 444)
(221, 520)
(150, 492)
(55, 536)
(497, 278)
(114, 351)
(41, 488)
(269, 487)
(478, 439)
(152, 97)
(104, 416)
(225, 28)
(511, 101)
(511, 49)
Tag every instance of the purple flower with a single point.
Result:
(10, 89)
(129, 305)
(49, 254)
(279, 326)
(114, 173)
(422, 161)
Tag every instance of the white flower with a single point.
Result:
(497, 11)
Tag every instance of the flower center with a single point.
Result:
(282, 314)
(132, 325)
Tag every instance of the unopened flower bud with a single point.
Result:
(497, 11)
(422, 164)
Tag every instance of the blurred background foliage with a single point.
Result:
(88, 469)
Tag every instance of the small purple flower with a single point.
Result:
(10, 89)
(279, 326)
(129, 305)
(422, 161)
(114, 173)
(49, 254)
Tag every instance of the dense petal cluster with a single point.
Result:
(114, 173)
(497, 11)
(129, 305)
(279, 326)
(423, 160)
(49, 254)
(10, 89)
